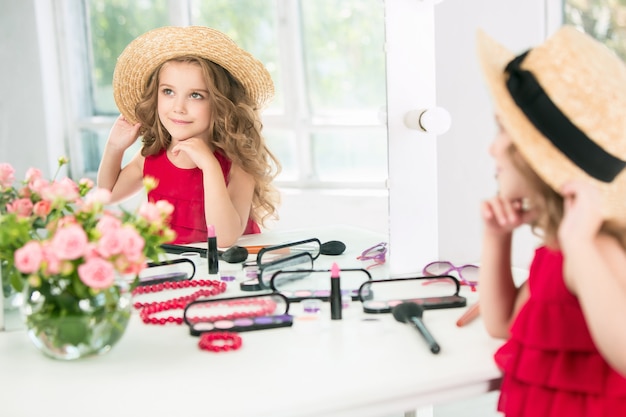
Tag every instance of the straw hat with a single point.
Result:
(583, 135)
(144, 54)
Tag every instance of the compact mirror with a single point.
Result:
(431, 292)
(315, 283)
(181, 269)
(269, 254)
(292, 263)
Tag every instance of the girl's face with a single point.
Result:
(512, 185)
(182, 103)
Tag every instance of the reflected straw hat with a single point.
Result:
(563, 103)
(146, 53)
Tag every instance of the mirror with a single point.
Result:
(327, 123)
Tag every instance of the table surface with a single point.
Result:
(363, 365)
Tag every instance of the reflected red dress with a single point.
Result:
(184, 189)
(551, 365)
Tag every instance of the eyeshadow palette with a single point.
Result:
(430, 292)
(238, 314)
(243, 324)
(428, 303)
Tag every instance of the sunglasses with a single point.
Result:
(376, 253)
(468, 274)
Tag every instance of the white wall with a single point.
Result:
(465, 170)
(22, 117)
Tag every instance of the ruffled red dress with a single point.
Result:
(184, 189)
(551, 365)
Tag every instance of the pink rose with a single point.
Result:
(132, 243)
(99, 195)
(150, 212)
(64, 190)
(86, 182)
(42, 208)
(22, 207)
(33, 174)
(97, 273)
(70, 242)
(28, 258)
(135, 268)
(38, 185)
(53, 265)
(7, 175)
(111, 243)
(165, 207)
(66, 221)
(108, 222)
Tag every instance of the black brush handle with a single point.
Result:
(178, 249)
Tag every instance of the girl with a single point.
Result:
(194, 96)
(559, 157)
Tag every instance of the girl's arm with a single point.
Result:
(226, 208)
(121, 182)
(595, 271)
(500, 299)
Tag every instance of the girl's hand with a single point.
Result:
(123, 134)
(582, 217)
(502, 216)
(197, 150)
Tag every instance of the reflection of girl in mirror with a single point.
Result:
(560, 155)
(194, 96)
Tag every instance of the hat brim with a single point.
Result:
(146, 53)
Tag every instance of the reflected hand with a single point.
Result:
(197, 150)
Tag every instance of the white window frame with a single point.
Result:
(78, 113)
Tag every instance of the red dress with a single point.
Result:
(551, 366)
(183, 188)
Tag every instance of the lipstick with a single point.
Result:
(335, 293)
(212, 255)
(469, 316)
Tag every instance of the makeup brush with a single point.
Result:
(333, 248)
(411, 313)
(234, 255)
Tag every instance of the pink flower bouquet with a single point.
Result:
(60, 243)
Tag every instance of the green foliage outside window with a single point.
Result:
(605, 20)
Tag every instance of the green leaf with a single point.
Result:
(72, 330)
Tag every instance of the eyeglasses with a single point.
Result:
(468, 274)
(376, 253)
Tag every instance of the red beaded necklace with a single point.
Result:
(147, 309)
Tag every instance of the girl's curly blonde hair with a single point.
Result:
(235, 129)
(550, 206)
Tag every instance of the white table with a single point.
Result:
(322, 368)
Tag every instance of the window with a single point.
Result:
(325, 56)
(605, 21)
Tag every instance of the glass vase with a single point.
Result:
(66, 326)
(12, 297)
